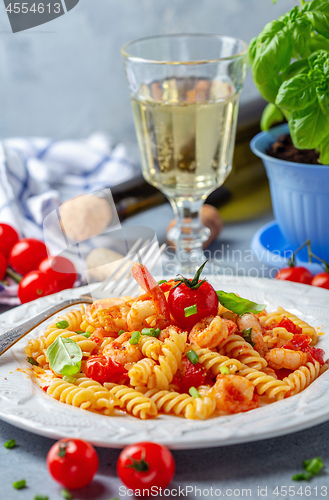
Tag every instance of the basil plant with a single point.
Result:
(290, 67)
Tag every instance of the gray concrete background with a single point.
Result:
(65, 78)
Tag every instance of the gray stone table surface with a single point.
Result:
(255, 470)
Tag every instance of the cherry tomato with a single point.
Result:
(3, 266)
(103, 369)
(72, 462)
(298, 274)
(36, 284)
(26, 255)
(143, 465)
(321, 280)
(192, 375)
(8, 238)
(290, 326)
(204, 297)
(61, 269)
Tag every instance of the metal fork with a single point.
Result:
(108, 288)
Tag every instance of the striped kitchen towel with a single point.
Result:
(38, 174)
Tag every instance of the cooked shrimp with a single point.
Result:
(110, 314)
(286, 358)
(121, 351)
(209, 332)
(250, 321)
(235, 394)
(141, 315)
(161, 318)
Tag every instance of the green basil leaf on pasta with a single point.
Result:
(32, 361)
(64, 356)
(238, 305)
(246, 334)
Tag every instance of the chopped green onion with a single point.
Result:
(62, 324)
(304, 476)
(41, 497)
(18, 485)
(121, 332)
(224, 370)
(11, 443)
(246, 334)
(134, 339)
(66, 494)
(189, 311)
(314, 465)
(152, 332)
(84, 334)
(162, 281)
(192, 356)
(32, 361)
(194, 393)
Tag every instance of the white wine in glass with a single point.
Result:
(185, 116)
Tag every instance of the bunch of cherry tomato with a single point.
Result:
(26, 261)
(73, 463)
(300, 274)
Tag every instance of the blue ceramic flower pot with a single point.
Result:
(300, 195)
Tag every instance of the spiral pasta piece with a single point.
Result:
(265, 384)
(102, 398)
(134, 402)
(270, 320)
(214, 361)
(151, 347)
(73, 317)
(306, 328)
(36, 349)
(86, 327)
(236, 347)
(302, 378)
(141, 371)
(169, 402)
(87, 346)
(172, 350)
(70, 394)
(202, 407)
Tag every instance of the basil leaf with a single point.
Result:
(271, 115)
(32, 361)
(301, 34)
(274, 51)
(296, 93)
(308, 127)
(238, 305)
(323, 98)
(64, 356)
(319, 42)
(297, 68)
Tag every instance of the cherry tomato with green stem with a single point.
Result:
(34, 285)
(8, 238)
(26, 255)
(191, 300)
(143, 465)
(61, 269)
(72, 463)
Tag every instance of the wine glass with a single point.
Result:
(184, 91)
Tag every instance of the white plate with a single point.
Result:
(26, 406)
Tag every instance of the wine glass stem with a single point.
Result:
(188, 234)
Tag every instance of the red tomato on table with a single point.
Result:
(298, 274)
(72, 462)
(321, 280)
(143, 465)
(103, 369)
(34, 285)
(61, 269)
(26, 255)
(8, 238)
